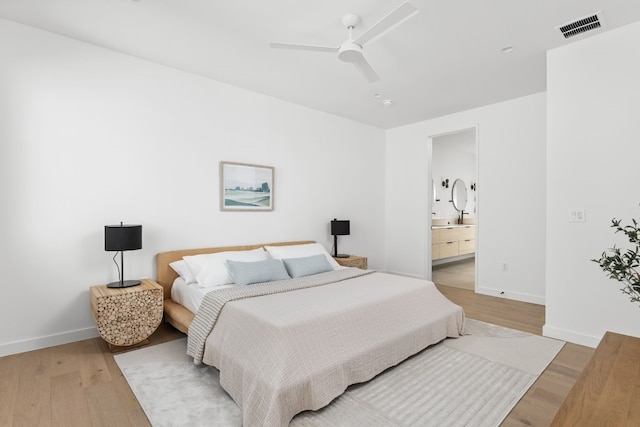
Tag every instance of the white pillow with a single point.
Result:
(183, 270)
(211, 269)
(301, 251)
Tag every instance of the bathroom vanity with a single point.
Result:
(452, 240)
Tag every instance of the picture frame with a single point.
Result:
(246, 187)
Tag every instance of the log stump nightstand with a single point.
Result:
(126, 317)
(353, 261)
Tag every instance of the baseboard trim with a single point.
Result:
(570, 336)
(517, 296)
(397, 273)
(47, 341)
(443, 261)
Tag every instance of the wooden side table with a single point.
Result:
(353, 261)
(126, 317)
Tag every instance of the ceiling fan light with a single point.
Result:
(350, 52)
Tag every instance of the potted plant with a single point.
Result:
(623, 265)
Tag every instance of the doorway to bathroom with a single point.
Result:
(454, 209)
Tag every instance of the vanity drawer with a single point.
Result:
(449, 234)
(467, 233)
(448, 249)
(435, 251)
(436, 236)
(466, 246)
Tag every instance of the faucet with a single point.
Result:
(462, 217)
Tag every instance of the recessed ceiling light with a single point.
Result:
(507, 49)
(377, 95)
(387, 103)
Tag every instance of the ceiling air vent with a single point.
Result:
(582, 25)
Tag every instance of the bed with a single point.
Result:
(290, 345)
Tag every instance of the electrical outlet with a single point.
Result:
(505, 266)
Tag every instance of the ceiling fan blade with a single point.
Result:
(295, 46)
(363, 66)
(394, 18)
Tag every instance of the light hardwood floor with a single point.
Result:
(79, 384)
(459, 274)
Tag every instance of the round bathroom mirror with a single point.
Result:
(459, 195)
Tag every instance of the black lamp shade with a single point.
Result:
(122, 237)
(340, 227)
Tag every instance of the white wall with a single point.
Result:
(510, 196)
(593, 151)
(91, 137)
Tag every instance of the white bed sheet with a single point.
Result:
(191, 295)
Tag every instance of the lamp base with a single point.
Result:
(124, 284)
(341, 256)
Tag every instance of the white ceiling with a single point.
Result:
(444, 59)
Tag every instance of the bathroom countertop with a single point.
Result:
(433, 227)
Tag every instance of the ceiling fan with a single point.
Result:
(351, 49)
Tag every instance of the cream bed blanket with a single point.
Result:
(286, 352)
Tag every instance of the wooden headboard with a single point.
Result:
(165, 275)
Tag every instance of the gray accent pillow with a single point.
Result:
(314, 264)
(246, 273)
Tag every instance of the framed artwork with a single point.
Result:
(245, 187)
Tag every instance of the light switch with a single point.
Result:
(577, 215)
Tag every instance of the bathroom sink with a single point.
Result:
(441, 221)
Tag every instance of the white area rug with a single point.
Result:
(474, 380)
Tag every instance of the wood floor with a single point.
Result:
(79, 384)
(459, 274)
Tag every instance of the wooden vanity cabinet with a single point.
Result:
(452, 241)
(466, 240)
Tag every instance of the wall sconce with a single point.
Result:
(445, 183)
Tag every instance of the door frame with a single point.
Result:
(428, 264)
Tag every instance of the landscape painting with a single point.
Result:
(245, 187)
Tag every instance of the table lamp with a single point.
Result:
(122, 238)
(339, 227)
